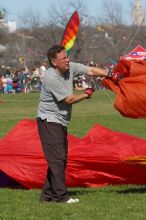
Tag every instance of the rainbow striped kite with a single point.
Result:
(70, 32)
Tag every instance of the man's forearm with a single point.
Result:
(95, 71)
(72, 99)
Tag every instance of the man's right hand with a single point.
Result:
(89, 92)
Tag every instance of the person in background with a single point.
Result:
(37, 69)
(9, 85)
(1, 85)
(4, 83)
(42, 70)
(54, 114)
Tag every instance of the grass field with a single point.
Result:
(107, 203)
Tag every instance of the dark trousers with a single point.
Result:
(55, 146)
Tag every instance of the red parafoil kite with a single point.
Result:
(102, 157)
(130, 91)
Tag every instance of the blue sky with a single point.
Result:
(15, 7)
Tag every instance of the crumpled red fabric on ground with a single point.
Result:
(100, 158)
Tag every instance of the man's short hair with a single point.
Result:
(53, 51)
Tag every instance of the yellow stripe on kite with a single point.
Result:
(70, 43)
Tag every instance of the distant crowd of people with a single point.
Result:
(22, 79)
(25, 79)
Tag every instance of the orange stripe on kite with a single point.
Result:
(137, 160)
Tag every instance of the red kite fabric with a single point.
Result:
(102, 157)
(130, 91)
(70, 32)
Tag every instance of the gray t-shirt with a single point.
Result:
(55, 88)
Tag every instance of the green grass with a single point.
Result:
(107, 203)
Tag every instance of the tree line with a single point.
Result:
(101, 40)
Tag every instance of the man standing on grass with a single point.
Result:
(54, 113)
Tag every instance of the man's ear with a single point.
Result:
(53, 62)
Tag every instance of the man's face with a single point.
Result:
(61, 62)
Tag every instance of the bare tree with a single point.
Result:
(3, 13)
(30, 18)
(113, 28)
(3, 31)
(60, 14)
(112, 11)
(102, 42)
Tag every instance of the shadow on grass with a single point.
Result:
(126, 189)
(81, 191)
(133, 190)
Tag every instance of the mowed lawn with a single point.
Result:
(107, 203)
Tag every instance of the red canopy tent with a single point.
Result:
(139, 53)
